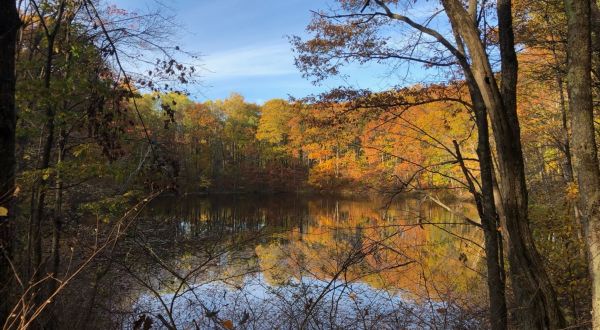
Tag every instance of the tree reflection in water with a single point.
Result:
(304, 262)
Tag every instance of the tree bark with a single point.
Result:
(566, 144)
(486, 207)
(9, 26)
(585, 154)
(492, 234)
(538, 307)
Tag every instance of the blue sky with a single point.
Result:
(244, 47)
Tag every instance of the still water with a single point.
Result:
(311, 262)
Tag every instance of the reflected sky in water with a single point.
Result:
(263, 262)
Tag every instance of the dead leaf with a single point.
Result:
(227, 324)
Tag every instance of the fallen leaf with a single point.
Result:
(3, 211)
(227, 324)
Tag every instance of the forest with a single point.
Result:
(466, 196)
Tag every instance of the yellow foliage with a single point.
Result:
(572, 191)
(46, 174)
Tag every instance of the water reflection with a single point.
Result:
(307, 262)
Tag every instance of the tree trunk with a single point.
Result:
(48, 143)
(538, 307)
(9, 26)
(492, 236)
(486, 209)
(566, 144)
(56, 230)
(44, 167)
(585, 154)
(488, 213)
(485, 200)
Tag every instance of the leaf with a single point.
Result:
(227, 324)
(3, 211)
(129, 193)
(572, 191)
(46, 174)
(79, 150)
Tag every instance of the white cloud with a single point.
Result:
(255, 61)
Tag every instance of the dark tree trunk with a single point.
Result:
(42, 184)
(535, 294)
(9, 26)
(538, 307)
(493, 239)
(486, 207)
(56, 230)
(585, 154)
(44, 166)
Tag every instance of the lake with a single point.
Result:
(311, 262)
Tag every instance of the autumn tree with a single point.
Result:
(355, 33)
(274, 120)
